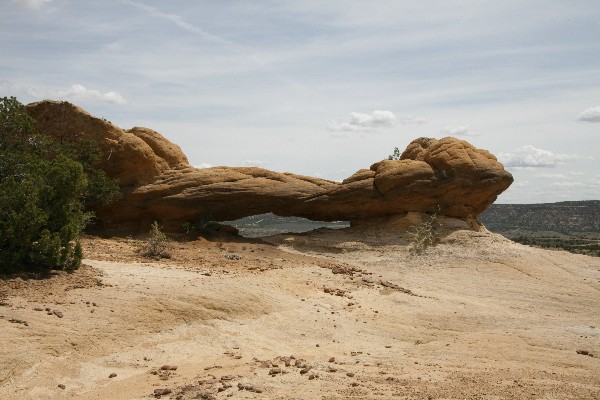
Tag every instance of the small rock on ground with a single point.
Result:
(161, 392)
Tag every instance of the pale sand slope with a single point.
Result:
(485, 318)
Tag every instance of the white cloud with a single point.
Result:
(79, 93)
(583, 183)
(409, 120)
(532, 157)
(569, 175)
(365, 122)
(552, 176)
(203, 165)
(521, 184)
(569, 184)
(339, 135)
(256, 163)
(590, 115)
(178, 21)
(463, 130)
(6, 85)
(31, 4)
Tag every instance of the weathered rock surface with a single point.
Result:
(158, 183)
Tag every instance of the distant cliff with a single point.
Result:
(567, 217)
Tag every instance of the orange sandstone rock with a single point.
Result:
(158, 183)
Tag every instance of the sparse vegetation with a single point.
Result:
(205, 226)
(44, 187)
(573, 218)
(157, 243)
(577, 245)
(573, 226)
(395, 155)
(424, 235)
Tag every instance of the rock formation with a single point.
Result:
(158, 183)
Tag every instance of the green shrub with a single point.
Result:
(40, 212)
(424, 235)
(395, 155)
(204, 226)
(100, 190)
(157, 243)
(44, 187)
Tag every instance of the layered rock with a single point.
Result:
(158, 183)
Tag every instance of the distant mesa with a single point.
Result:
(158, 183)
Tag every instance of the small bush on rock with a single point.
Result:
(395, 155)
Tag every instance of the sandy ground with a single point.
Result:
(325, 315)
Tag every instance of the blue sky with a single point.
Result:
(324, 88)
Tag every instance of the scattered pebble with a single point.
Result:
(112, 375)
(249, 387)
(58, 313)
(223, 388)
(62, 386)
(585, 353)
(205, 396)
(275, 371)
(168, 367)
(161, 392)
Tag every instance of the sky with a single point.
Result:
(324, 88)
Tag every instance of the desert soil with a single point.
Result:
(326, 315)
